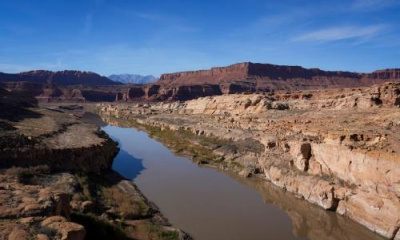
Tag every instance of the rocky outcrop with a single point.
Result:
(185, 92)
(385, 74)
(30, 210)
(338, 149)
(67, 230)
(93, 95)
(46, 137)
(135, 93)
(90, 159)
(160, 93)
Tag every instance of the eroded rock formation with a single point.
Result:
(254, 78)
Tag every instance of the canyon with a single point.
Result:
(336, 148)
(330, 138)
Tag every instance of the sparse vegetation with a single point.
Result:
(127, 207)
(28, 175)
(147, 230)
(199, 147)
(185, 142)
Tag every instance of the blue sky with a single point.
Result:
(154, 37)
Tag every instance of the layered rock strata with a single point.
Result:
(252, 78)
(338, 149)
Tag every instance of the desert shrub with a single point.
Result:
(169, 235)
(147, 230)
(49, 232)
(126, 206)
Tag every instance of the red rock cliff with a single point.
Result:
(255, 77)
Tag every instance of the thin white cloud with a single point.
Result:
(151, 16)
(88, 23)
(342, 33)
(13, 68)
(53, 66)
(16, 68)
(372, 5)
(170, 23)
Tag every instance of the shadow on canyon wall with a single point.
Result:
(14, 107)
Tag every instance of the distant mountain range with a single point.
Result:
(132, 78)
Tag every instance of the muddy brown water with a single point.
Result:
(213, 205)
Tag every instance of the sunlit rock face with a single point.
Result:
(255, 78)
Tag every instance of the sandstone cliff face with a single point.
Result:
(338, 149)
(256, 78)
(385, 74)
(175, 93)
(269, 72)
(252, 70)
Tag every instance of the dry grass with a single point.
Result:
(126, 206)
(147, 230)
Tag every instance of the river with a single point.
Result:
(213, 205)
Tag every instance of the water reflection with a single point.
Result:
(127, 165)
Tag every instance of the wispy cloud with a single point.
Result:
(170, 22)
(151, 16)
(372, 5)
(16, 68)
(13, 68)
(54, 66)
(342, 33)
(88, 23)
